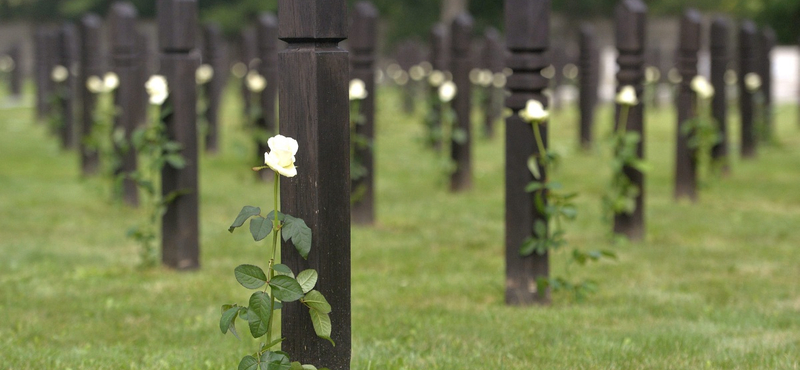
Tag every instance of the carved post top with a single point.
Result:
(493, 54)
(768, 37)
(267, 31)
(312, 20)
(747, 28)
(439, 31)
(690, 31)
(630, 18)
(527, 24)
(462, 33)
(212, 30)
(177, 25)
(122, 20)
(363, 26)
(720, 28)
(91, 21)
(587, 35)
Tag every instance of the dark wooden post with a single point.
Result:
(440, 61)
(67, 40)
(720, 60)
(247, 49)
(768, 41)
(43, 49)
(461, 31)
(15, 80)
(363, 42)
(685, 157)
(747, 64)
(631, 25)
(177, 25)
(589, 80)
(267, 40)
(527, 25)
(141, 100)
(124, 61)
(314, 109)
(90, 65)
(493, 60)
(214, 55)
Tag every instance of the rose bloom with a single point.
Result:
(534, 111)
(203, 74)
(627, 96)
(701, 86)
(110, 81)
(447, 91)
(95, 84)
(281, 154)
(752, 81)
(255, 82)
(358, 90)
(436, 78)
(59, 73)
(157, 88)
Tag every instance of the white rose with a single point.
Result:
(281, 154)
(447, 91)
(110, 81)
(358, 90)
(752, 81)
(534, 112)
(701, 86)
(436, 78)
(59, 73)
(95, 84)
(255, 82)
(203, 74)
(627, 96)
(157, 89)
(6, 64)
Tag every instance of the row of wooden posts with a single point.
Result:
(310, 78)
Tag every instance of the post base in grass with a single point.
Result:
(522, 288)
(629, 227)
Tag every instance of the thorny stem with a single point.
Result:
(275, 230)
(623, 120)
(540, 145)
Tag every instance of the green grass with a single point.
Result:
(715, 285)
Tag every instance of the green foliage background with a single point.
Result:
(412, 18)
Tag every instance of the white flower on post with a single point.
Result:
(447, 91)
(281, 154)
(95, 85)
(203, 74)
(702, 87)
(534, 112)
(436, 78)
(485, 78)
(59, 73)
(627, 96)
(752, 81)
(358, 90)
(417, 73)
(255, 82)
(239, 70)
(157, 88)
(499, 80)
(110, 81)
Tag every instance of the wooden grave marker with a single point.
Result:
(461, 64)
(748, 40)
(91, 64)
(719, 45)
(685, 156)
(177, 25)
(589, 76)
(267, 41)
(314, 110)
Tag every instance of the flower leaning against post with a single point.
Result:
(279, 282)
(622, 193)
(102, 136)
(701, 130)
(358, 141)
(554, 208)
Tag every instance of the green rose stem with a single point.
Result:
(275, 229)
(623, 120)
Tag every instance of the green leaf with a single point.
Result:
(244, 214)
(283, 269)
(250, 276)
(296, 366)
(309, 367)
(316, 301)
(275, 361)
(260, 227)
(322, 324)
(248, 363)
(528, 246)
(534, 186)
(307, 279)
(300, 234)
(285, 288)
(228, 318)
(533, 166)
(260, 314)
(176, 161)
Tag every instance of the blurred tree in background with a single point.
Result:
(412, 18)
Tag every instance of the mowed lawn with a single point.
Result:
(715, 284)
